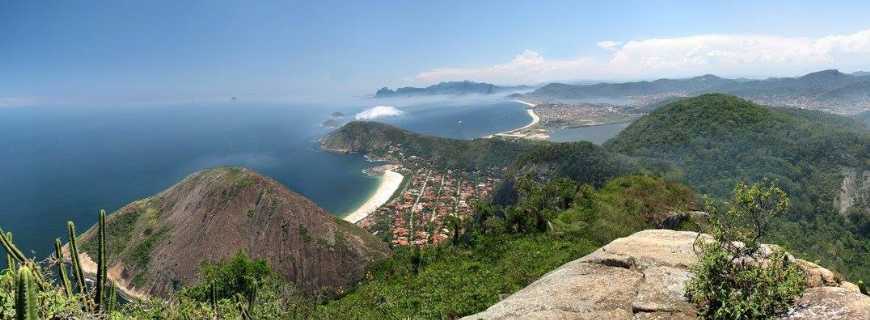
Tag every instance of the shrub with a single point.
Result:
(734, 278)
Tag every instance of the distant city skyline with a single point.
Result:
(167, 52)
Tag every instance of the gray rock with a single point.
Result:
(643, 277)
(830, 303)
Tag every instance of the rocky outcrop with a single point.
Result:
(854, 191)
(643, 276)
(157, 245)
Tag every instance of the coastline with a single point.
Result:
(390, 182)
(515, 133)
(113, 274)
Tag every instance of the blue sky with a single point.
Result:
(80, 52)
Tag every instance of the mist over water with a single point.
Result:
(67, 163)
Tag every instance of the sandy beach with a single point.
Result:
(517, 133)
(390, 182)
(114, 275)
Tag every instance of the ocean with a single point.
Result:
(67, 163)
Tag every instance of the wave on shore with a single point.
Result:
(390, 182)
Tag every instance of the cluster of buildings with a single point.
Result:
(555, 115)
(419, 214)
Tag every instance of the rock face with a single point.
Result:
(156, 245)
(854, 191)
(643, 276)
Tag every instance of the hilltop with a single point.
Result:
(448, 88)
(156, 245)
(717, 140)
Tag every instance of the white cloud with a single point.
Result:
(378, 112)
(745, 55)
(609, 45)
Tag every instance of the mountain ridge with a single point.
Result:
(447, 88)
(825, 90)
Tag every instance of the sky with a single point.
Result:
(161, 52)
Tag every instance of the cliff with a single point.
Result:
(157, 244)
(643, 276)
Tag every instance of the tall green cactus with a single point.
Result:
(25, 295)
(99, 298)
(10, 263)
(74, 257)
(111, 298)
(61, 269)
(10, 248)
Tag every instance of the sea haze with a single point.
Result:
(461, 119)
(66, 163)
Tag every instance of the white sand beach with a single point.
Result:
(516, 133)
(390, 182)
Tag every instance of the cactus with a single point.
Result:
(244, 307)
(99, 297)
(10, 263)
(25, 296)
(212, 295)
(74, 256)
(11, 250)
(111, 298)
(61, 269)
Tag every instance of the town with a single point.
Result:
(420, 212)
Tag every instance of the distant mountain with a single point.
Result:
(828, 90)
(448, 88)
(861, 73)
(641, 88)
(157, 244)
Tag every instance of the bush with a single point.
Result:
(735, 278)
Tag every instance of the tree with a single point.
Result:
(734, 279)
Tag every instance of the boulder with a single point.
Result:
(830, 303)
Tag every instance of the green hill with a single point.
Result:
(718, 140)
(379, 140)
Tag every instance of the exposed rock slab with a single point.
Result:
(830, 303)
(643, 277)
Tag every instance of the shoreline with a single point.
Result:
(113, 275)
(390, 182)
(512, 133)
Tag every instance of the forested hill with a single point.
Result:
(380, 140)
(718, 140)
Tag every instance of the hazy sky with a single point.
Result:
(80, 52)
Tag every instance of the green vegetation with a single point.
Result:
(558, 203)
(36, 297)
(25, 295)
(501, 250)
(375, 139)
(735, 278)
(717, 141)
(504, 248)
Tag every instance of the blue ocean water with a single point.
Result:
(66, 163)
